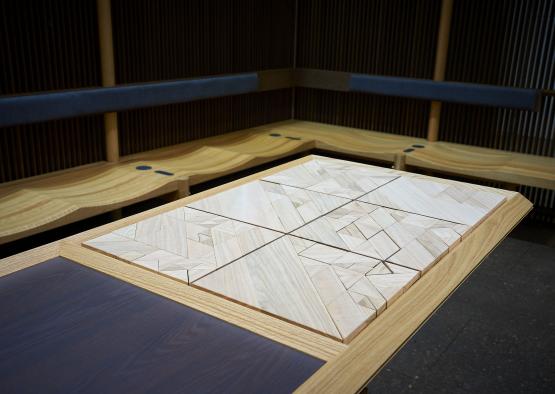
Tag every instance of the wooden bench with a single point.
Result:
(41, 203)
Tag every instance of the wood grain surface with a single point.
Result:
(370, 350)
(344, 261)
(67, 328)
(37, 204)
(259, 323)
(348, 368)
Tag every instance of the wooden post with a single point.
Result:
(399, 162)
(108, 76)
(441, 61)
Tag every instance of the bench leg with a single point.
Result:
(399, 163)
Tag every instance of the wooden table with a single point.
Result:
(307, 276)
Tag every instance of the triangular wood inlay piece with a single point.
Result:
(336, 177)
(326, 244)
(185, 243)
(454, 201)
(318, 287)
(278, 207)
(407, 239)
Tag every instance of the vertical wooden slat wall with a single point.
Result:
(48, 45)
(385, 37)
(172, 39)
(52, 45)
(508, 43)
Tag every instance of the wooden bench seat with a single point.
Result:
(37, 204)
(483, 163)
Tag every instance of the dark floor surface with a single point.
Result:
(495, 334)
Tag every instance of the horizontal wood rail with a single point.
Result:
(37, 204)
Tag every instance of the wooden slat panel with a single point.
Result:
(364, 111)
(172, 39)
(48, 46)
(39, 148)
(510, 43)
(383, 37)
(156, 127)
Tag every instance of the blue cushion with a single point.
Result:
(23, 109)
(456, 92)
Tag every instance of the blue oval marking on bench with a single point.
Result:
(418, 146)
(162, 172)
(143, 168)
(275, 135)
(408, 150)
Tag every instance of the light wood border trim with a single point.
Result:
(369, 351)
(29, 258)
(259, 323)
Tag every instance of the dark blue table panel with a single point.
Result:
(67, 328)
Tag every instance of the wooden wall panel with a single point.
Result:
(50, 146)
(173, 39)
(509, 43)
(363, 111)
(151, 128)
(383, 37)
(386, 37)
(48, 45)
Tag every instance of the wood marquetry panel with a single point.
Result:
(185, 243)
(325, 244)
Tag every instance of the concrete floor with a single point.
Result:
(496, 334)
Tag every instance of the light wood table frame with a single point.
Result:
(348, 367)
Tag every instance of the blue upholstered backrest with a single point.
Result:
(24, 109)
(70, 103)
(456, 92)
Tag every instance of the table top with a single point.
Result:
(326, 244)
(321, 255)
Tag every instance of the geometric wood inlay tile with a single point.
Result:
(184, 243)
(456, 202)
(278, 207)
(336, 177)
(407, 239)
(326, 244)
(325, 289)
